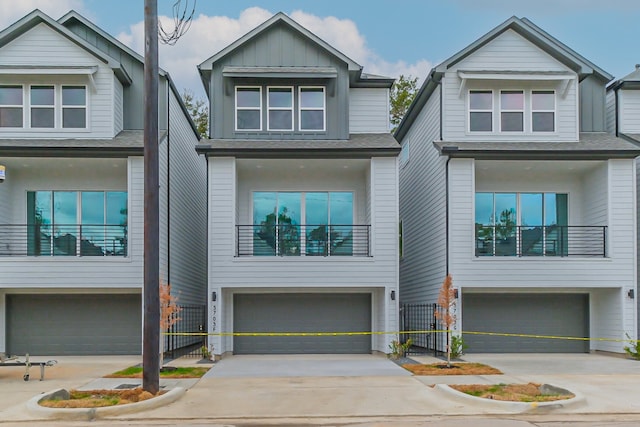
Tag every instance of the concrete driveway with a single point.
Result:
(298, 365)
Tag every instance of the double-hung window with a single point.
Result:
(249, 108)
(312, 108)
(543, 107)
(280, 108)
(43, 101)
(11, 109)
(511, 111)
(74, 107)
(481, 111)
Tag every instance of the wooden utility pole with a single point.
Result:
(151, 333)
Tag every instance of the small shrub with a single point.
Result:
(399, 349)
(633, 349)
(457, 346)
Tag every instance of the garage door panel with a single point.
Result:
(529, 314)
(302, 313)
(74, 324)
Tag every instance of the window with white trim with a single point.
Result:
(248, 108)
(11, 106)
(481, 111)
(511, 111)
(42, 100)
(280, 108)
(74, 107)
(543, 111)
(312, 108)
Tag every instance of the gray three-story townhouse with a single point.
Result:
(623, 116)
(303, 196)
(71, 206)
(510, 182)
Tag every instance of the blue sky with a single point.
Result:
(388, 37)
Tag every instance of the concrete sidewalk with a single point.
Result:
(610, 385)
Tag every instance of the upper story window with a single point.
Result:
(46, 107)
(74, 107)
(11, 112)
(525, 111)
(280, 107)
(288, 108)
(70, 223)
(511, 111)
(481, 111)
(43, 102)
(312, 108)
(543, 108)
(249, 108)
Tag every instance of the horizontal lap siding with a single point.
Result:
(368, 110)
(629, 111)
(423, 208)
(41, 46)
(188, 210)
(507, 52)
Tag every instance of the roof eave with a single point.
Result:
(293, 153)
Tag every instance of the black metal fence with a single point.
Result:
(193, 324)
(421, 318)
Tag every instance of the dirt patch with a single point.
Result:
(99, 398)
(511, 392)
(136, 372)
(455, 369)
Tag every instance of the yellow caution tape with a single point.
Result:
(334, 334)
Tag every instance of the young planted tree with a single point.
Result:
(169, 310)
(446, 314)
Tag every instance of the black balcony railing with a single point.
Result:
(549, 240)
(302, 240)
(63, 240)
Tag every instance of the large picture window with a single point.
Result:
(523, 224)
(297, 223)
(70, 223)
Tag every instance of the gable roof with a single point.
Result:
(630, 81)
(279, 17)
(37, 17)
(72, 15)
(529, 31)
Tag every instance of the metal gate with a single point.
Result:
(192, 323)
(422, 319)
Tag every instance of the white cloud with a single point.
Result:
(210, 34)
(12, 10)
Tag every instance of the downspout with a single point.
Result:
(447, 151)
(617, 111)
(168, 185)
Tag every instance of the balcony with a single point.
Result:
(545, 241)
(302, 240)
(63, 240)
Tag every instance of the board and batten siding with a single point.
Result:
(187, 210)
(368, 110)
(610, 110)
(118, 120)
(423, 208)
(629, 111)
(42, 46)
(508, 52)
(5, 208)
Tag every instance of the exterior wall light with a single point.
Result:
(214, 296)
(393, 295)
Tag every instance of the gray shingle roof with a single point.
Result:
(127, 142)
(358, 145)
(596, 145)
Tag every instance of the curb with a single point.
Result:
(88, 414)
(513, 407)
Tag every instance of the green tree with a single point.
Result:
(198, 110)
(402, 93)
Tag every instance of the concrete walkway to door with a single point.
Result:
(301, 365)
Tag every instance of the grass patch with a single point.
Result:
(99, 398)
(185, 372)
(456, 369)
(510, 392)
